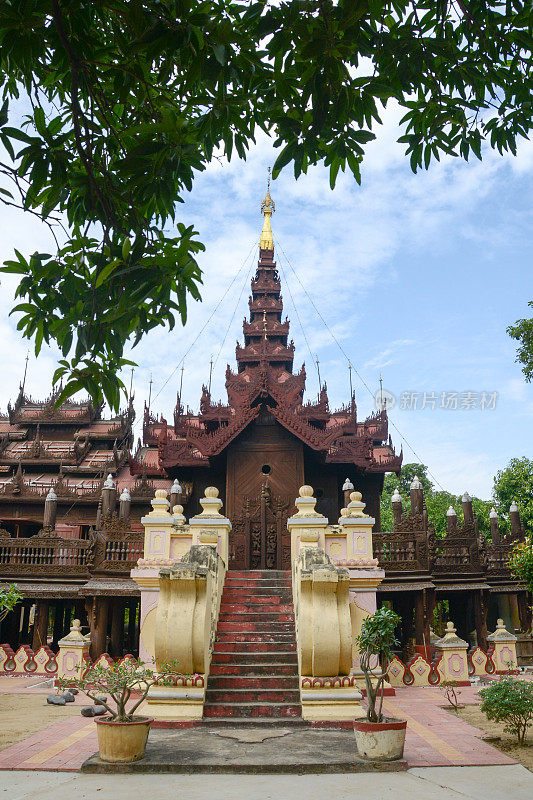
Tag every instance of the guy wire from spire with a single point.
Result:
(343, 351)
(230, 323)
(287, 284)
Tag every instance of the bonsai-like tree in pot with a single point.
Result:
(122, 735)
(377, 737)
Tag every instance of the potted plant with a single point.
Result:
(122, 736)
(378, 738)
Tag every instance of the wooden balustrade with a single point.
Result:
(457, 555)
(121, 555)
(401, 552)
(51, 556)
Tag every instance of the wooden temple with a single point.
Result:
(265, 442)
(73, 491)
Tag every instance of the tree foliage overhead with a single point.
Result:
(127, 100)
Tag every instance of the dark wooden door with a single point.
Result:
(264, 472)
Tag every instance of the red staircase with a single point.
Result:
(254, 669)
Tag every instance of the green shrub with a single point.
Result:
(9, 597)
(509, 701)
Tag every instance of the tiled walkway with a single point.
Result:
(434, 736)
(437, 738)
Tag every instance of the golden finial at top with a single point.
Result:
(266, 242)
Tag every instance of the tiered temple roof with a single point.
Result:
(265, 375)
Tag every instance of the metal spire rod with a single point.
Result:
(318, 370)
(181, 380)
(25, 372)
(131, 382)
(381, 391)
(351, 386)
(210, 373)
(150, 393)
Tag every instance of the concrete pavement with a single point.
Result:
(512, 782)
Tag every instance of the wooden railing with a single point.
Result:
(400, 552)
(457, 555)
(498, 556)
(38, 557)
(121, 555)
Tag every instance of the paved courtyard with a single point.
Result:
(434, 736)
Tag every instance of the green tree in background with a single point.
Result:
(522, 331)
(515, 482)
(110, 109)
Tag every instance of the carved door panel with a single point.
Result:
(264, 473)
(259, 539)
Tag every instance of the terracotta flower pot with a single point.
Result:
(122, 741)
(380, 741)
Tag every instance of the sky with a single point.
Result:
(416, 276)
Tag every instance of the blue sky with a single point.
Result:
(417, 276)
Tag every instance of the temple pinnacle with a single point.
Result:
(266, 242)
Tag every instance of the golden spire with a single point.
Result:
(266, 242)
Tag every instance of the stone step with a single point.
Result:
(246, 671)
(260, 594)
(259, 696)
(243, 624)
(264, 722)
(251, 710)
(279, 682)
(247, 658)
(270, 611)
(253, 638)
(259, 573)
(264, 646)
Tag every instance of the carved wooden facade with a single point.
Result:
(265, 442)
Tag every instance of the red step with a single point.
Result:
(251, 670)
(254, 696)
(242, 624)
(256, 608)
(252, 710)
(259, 594)
(245, 657)
(267, 681)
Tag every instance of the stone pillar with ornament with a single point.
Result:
(307, 527)
(453, 664)
(158, 527)
(167, 538)
(365, 574)
(73, 653)
(503, 649)
(210, 526)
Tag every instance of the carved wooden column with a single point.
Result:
(40, 627)
(423, 612)
(14, 627)
(524, 610)
(59, 613)
(117, 627)
(133, 638)
(480, 617)
(99, 631)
